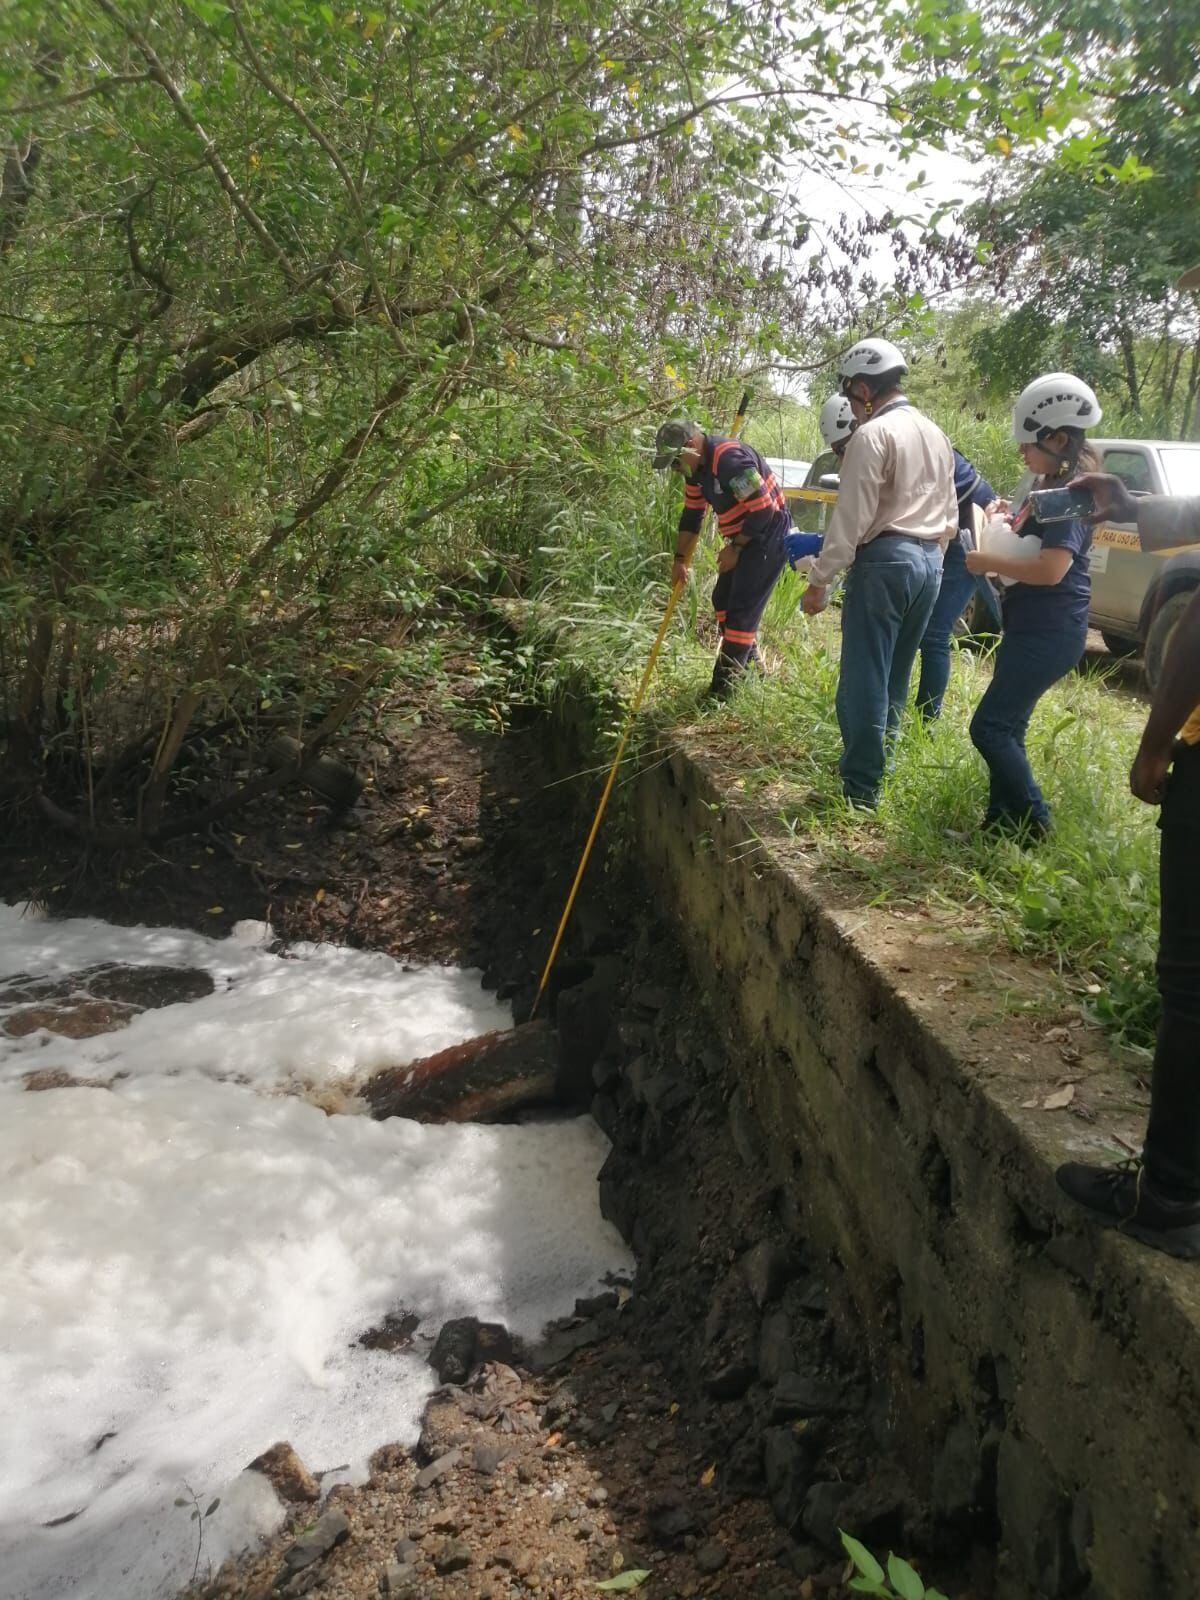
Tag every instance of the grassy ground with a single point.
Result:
(596, 562)
(1086, 899)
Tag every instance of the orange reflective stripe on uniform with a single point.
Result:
(739, 636)
(758, 502)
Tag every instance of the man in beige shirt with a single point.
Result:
(896, 511)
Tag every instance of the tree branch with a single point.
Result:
(171, 89)
(16, 189)
(32, 107)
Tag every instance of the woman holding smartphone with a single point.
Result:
(1045, 604)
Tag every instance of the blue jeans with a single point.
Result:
(957, 587)
(890, 591)
(1025, 666)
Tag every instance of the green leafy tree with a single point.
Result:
(289, 291)
(1085, 241)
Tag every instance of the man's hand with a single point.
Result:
(1148, 775)
(977, 563)
(679, 572)
(1114, 503)
(816, 598)
(727, 557)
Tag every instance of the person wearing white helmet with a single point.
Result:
(836, 423)
(896, 511)
(1045, 603)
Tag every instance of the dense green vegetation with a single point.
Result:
(303, 306)
(1084, 243)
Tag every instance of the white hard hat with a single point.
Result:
(871, 357)
(1055, 400)
(836, 421)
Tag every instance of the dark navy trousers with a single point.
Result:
(739, 599)
(1173, 1138)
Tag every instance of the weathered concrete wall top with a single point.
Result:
(1033, 1362)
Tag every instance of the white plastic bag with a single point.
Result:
(998, 539)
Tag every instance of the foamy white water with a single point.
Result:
(313, 1013)
(186, 1262)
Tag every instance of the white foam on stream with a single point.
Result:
(313, 1013)
(186, 1262)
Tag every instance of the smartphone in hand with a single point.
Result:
(1061, 505)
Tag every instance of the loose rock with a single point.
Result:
(775, 1352)
(766, 1269)
(453, 1353)
(487, 1458)
(452, 1556)
(399, 1579)
(330, 1530)
(669, 1515)
(563, 1343)
(820, 1517)
(430, 1475)
(286, 1473)
(711, 1556)
(800, 1394)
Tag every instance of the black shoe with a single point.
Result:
(718, 692)
(1124, 1197)
(1023, 828)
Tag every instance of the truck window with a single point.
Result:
(1132, 467)
(1181, 469)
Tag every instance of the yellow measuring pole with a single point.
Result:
(634, 707)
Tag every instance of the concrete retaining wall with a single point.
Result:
(1033, 1366)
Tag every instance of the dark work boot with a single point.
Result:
(1124, 1197)
(727, 673)
(1023, 827)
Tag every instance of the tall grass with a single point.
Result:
(595, 546)
(1085, 899)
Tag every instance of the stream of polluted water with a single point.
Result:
(191, 1251)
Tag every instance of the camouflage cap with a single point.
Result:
(670, 439)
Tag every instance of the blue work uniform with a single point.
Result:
(752, 515)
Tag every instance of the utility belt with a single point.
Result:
(740, 540)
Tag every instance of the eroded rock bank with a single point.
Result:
(1038, 1376)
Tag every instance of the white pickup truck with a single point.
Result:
(1138, 597)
